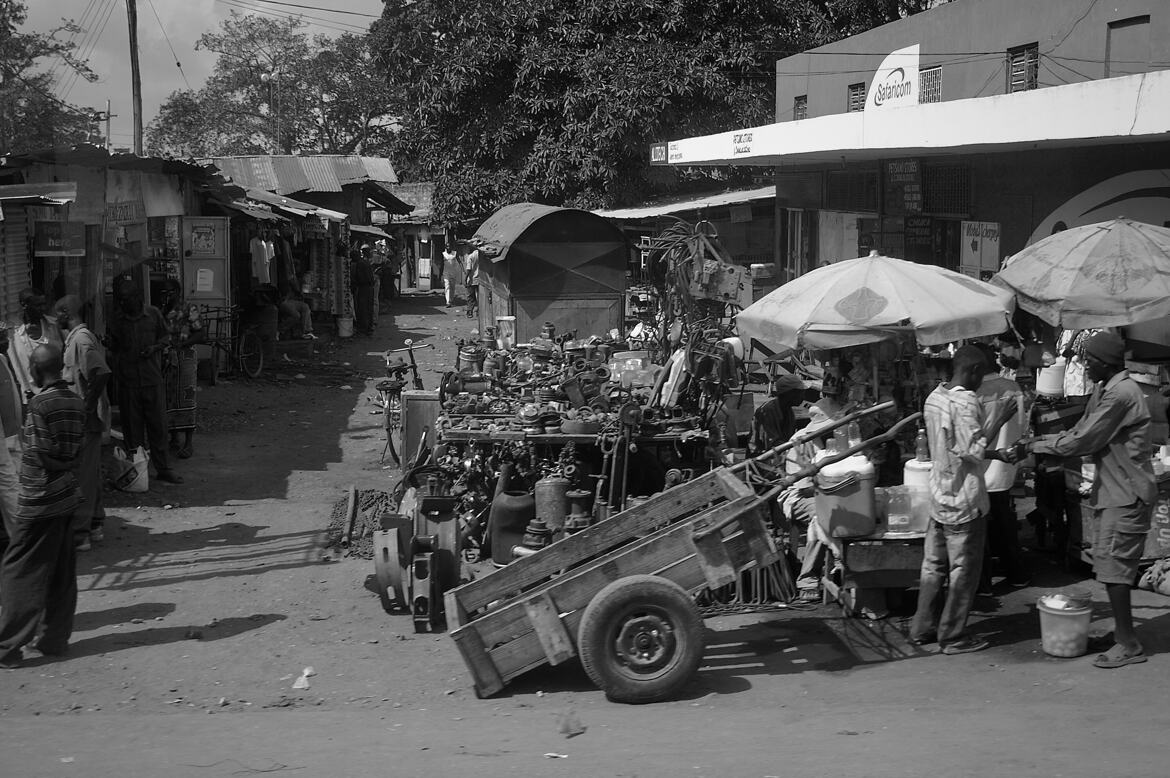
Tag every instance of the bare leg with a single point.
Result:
(1123, 631)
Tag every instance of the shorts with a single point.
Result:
(1119, 542)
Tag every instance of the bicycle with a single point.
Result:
(390, 392)
(236, 346)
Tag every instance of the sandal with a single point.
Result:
(1119, 656)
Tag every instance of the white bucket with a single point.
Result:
(1064, 625)
(345, 326)
(1050, 380)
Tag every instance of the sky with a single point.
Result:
(106, 35)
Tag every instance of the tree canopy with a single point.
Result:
(557, 102)
(275, 90)
(30, 116)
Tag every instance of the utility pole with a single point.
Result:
(108, 117)
(135, 74)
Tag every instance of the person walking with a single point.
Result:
(86, 373)
(957, 530)
(447, 269)
(37, 329)
(138, 335)
(996, 392)
(1115, 432)
(38, 574)
(471, 281)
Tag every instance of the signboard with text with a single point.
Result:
(896, 82)
(979, 249)
(902, 187)
(59, 239)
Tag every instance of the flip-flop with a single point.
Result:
(1119, 657)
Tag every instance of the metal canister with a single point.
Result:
(552, 500)
(471, 356)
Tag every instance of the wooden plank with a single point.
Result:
(759, 540)
(456, 615)
(710, 522)
(717, 567)
(598, 539)
(546, 621)
(484, 673)
(732, 485)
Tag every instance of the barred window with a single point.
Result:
(800, 107)
(930, 85)
(1023, 67)
(856, 97)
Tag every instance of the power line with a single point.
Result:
(92, 46)
(318, 8)
(330, 25)
(61, 60)
(90, 24)
(178, 64)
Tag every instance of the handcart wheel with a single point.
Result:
(641, 639)
(251, 353)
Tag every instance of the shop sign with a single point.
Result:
(125, 211)
(896, 82)
(658, 154)
(903, 187)
(59, 239)
(979, 249)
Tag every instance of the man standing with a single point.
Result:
(138, 336)
(957, 531)
(447, 269)
(87, 374)
(38, 575)
(361, 283)
(37, 330)
(11, 418)
(1115, 431)
(471, 281)
(994, 394)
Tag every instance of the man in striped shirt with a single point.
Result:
(955, 536)
(38, 574)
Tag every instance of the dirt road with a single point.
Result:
(208, 600)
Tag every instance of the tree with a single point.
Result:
(30, 116)
(275, 90)
(557, 101)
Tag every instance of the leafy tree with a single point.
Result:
(275, 90)
(30, 116)
(557, 101)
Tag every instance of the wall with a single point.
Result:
(1072, 48)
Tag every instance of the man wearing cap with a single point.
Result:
(774, 422)
(1115, 432)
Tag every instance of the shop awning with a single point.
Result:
(295, 207)
(692, 204)
(368, 230)
(53, 193)
(1105, 111)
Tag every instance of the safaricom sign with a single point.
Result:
(896, 82)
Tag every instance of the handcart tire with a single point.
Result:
(251, 354)
(641, 639)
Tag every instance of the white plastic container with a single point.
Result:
(1050, 380)
(1064, 623)
(506, 332)
(845, 502)
(916, 473)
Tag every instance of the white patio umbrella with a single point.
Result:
(1108, 274)
(871, 299)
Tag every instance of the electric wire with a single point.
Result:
(100, 7)
(85, 55)
(318, 8)
(317, 21)
(61, 62)
(166, 37)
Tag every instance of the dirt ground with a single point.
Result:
(208, 600)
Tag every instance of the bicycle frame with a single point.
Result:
(390, 391)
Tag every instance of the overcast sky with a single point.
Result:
(105, 42)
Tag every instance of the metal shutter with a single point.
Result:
(856, 97)
(1023, 68)
(14, 264)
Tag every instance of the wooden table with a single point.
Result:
(874, 562)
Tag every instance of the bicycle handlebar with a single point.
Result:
(409, 347)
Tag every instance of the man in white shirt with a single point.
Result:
(447, 270)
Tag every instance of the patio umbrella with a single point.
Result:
(871, 299)
(1108, 274)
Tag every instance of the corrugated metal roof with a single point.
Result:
(288, 174)
(690, 204)
(420, 195)
(496, 235)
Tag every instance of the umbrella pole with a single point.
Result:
(874, 348)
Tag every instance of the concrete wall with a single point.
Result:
(969, 40)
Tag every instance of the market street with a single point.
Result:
(195, 621)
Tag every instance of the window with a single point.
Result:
(1023, 67)
(800, 107)
(856, 97)
(1127, 50)
(930, 85)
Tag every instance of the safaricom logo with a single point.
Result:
(894, 87)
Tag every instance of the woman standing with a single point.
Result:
(180, 361)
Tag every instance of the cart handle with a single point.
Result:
(804, 437)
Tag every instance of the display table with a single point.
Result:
(873, 562)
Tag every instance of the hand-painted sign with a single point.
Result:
(59, 239)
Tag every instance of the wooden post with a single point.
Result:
(135, 74)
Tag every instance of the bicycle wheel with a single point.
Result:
(251, 354)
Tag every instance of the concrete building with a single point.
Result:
(959, 135)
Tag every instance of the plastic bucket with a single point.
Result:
(345, 326)
(1064, 623)
(846, 505)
